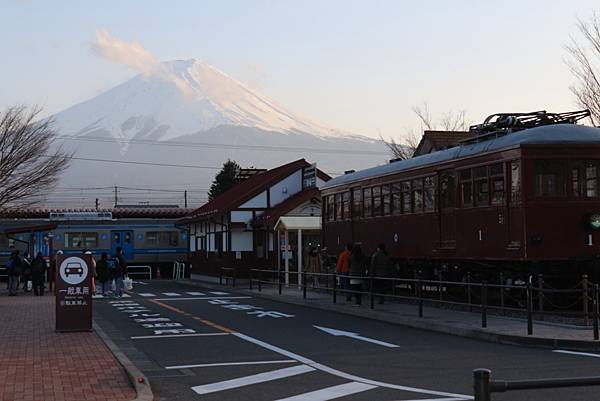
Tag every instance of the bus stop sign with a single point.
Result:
(74, 293)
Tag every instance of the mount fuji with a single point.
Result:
(188, 112)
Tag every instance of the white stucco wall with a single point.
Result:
(259, 200)
(292, 184)
(241, 216)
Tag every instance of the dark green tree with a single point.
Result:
(225, 179)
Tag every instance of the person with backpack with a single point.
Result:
(15, 268)
(38, 272)
(103, 274)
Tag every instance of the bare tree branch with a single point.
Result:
(584, 63)
(28, 167)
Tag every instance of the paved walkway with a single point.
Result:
(468, 324)
(36, 363)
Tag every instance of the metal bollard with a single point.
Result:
(334, 287)
(482, 379)
(585, 289)
(304, 284)
(371, 292)
(280, 284)
(233, 278)
(250, 279)
(529, 310)
(540, 292)
(502, 292)
(259, 282)
(596, 310)
(469, 291)
(420, 298)
(484, 305)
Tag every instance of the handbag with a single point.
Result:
(128, 284)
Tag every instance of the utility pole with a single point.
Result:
(97, 204)
(116, 199)
(185, 199)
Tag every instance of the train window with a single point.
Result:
(447, 188)
(162, 238)
(338, 207)
(429, 194)
(575, 179)
(515, 181)
(549, 178)
(396, 198)
(386, 199)
(497, 179)
(417, 190)
(357, 203)
(368, 207)
(346, 205)
(376, 201)
(80, 240)
(591, 179)
(406, 198)
(330, 210)
(482, 189)
(466, 188)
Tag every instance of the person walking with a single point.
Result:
(15, 268)
(38, 272)
(356, 263)
(380, 267)
(314, 265)
(343, 269)
(92, 270)
(26, 272)
(103, 274)
(119, 271)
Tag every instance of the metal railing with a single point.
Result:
(3, 272)
(137, 270)
(178, 270)
(528, 301)
(484, 386)
(227, 273)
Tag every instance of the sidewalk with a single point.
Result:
(499, 329)
(36, 363)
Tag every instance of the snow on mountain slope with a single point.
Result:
(190, 96)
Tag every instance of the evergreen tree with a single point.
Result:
(224, 180)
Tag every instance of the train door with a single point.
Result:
(124, 239)
(448, 190)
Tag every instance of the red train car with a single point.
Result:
(524, 190)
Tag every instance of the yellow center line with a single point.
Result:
(206, 322)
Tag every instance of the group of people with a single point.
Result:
(30, 273)
(107, 272)
(353, 267)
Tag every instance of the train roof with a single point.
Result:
(558, 134)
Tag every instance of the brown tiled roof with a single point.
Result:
(442, 139)
(270, 216)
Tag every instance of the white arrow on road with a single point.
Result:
(356, 336)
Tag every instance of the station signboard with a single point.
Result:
(74, 293)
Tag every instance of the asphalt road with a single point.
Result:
(202, 343)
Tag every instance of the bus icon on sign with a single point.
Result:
(73, 269)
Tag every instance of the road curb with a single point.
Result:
(477, 334)
(143, 390)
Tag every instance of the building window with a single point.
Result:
(549, 178)
(338, 207)
(429, 194)
(368, 206)
(357, 203)
(417, 190)
(81, 240)
(406, 198)
(396, 198)
(162, 238)
(482, 188)
(447, 189)
(376, 201)
(346, 205)
(386, 199)
(466, 188)
(515, 181)
(497, 180)
(330, 208)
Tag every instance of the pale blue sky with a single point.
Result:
(355, 65)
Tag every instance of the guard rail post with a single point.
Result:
(541, 292)
(482, 385)
(484, 305)
(304, 284)
(233, 277)
(220, 276)
(371, 292)
(259, 281)
(596, 310)
(279, 281)
(585, 289)
(250, 274)
(334, 288)
(529, 310)
(419, 297)
(469, 291)
(502, 293)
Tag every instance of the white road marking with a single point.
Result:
(438, 399)
(99, 296)
(355, 336)
(253, 379)
(146, 294)
(219, 293)
(348, 376)
(562, 351)
(180, 335)
(331, 393)
(198, 298)
(139, 282)
(171, 294)
(195, 293)
(210, 365)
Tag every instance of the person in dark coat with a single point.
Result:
(26, 271)
(119, 272)
(356, 263)
(38, 272)
(380, 267)
(103, 274)
(15, 269)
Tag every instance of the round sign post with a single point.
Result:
(73, 293)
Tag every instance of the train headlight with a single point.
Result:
(594, 221)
